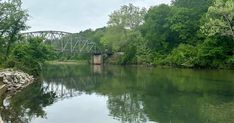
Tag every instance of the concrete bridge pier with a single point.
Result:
(97, 59)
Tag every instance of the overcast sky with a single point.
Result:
(75, 15)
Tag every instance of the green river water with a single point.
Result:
(114, 94)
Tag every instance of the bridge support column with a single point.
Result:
(97, 59)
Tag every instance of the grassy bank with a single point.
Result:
(72, 62)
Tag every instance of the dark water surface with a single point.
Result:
(114, 94)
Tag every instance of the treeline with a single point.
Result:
(16, 51)
(186, 33)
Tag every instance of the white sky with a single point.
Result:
(75, 15)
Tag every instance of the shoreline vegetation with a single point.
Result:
(186, 34)
(137, 36)
(83, 62)
(158, 37)
(67, 62)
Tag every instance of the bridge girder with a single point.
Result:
(65, 42)
(47, 35)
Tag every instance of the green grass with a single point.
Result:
(68, 62)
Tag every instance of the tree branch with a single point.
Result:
(230, 26)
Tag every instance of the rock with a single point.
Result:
(22, 82)
(6, 102)
(1, 79)
(15, 80)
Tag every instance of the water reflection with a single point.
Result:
(125, 94)
(27, 105)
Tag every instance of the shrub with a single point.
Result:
(230, 61)
(215, 52)
(129, 56)
(159, 59)
(184, 55)
(29, 56)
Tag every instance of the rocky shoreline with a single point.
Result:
(14, 81)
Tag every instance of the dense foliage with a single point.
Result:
(15, 51)
(29, 56)
(12, 21)
(187, 33)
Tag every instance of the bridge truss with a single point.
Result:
(65, 88)
(64, 42)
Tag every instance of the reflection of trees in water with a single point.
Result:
(178, 97)
(70, 77)
(124, 105)
(134, 95)
(221, 113)
(188, 108)
(27, 104)
(127, 108)
(83, 84)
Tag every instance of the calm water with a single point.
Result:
(85, 94)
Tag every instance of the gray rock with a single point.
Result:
(15, 80)
(1, 79)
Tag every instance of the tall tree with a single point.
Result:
(220, 19)
(185, 23)
(156, 28)
(114, 38)
(121, 22)
(198, 5)
(128, 17)
(185, 18)
(12, 21)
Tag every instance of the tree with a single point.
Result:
(220, 19)
(185, 19)
(215, 52)
(182, 56)
(156, 30)
(185, 23)
(93, 35)
(128, 17)
(121, 22)
(197, 5)
(30, 56)
(12, 21)
(114, 38)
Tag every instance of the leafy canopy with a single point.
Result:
(220, 19)
(12, 20)
(128, 17)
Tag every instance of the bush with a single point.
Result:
(215, 53)
(184, 55)
(230, 61)
(29, 56)
(129, 56)
(159, 59)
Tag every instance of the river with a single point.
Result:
(114, 94)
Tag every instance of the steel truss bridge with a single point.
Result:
(64, 42)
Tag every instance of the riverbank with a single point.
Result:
(13, 80)
(68, 62)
